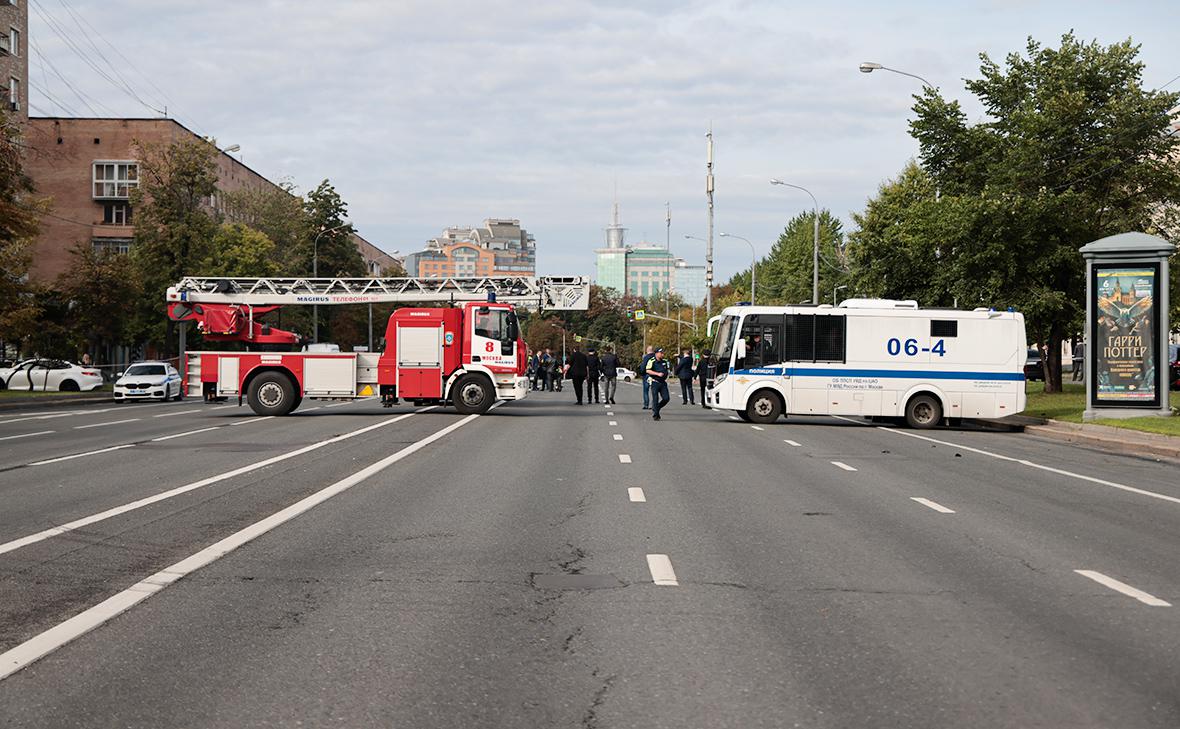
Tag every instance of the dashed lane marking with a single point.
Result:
(1112, 583)
(624, 458)
(661, 570)
(78, 455)
(178, 412)
(613, 422)
(223, 407)
(27, 435)
(757, 427)
(610, 413)
(618, 436)
(636, 494)
(793, 443)
(45, 643)
(252, 420)
(181, 435)
(845, 466)
(110, 422)
(733, 417)
(933, 505)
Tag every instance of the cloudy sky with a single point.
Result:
(443, 112)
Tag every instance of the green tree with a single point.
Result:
(19, 216)
(1073, 149)
(174, 226)
(279, 213)
(327, 216)
(238, 250)
(784, 275)
(102, 290)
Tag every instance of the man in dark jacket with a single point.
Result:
(657, 380)
(592, 374)
(576, 371)
(610, 375)
(684, 373)
(703, 376)
(546, 363)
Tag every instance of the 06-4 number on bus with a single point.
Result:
(895, 347)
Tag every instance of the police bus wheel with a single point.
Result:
(473, 394)
(272, 393)
(763, 407)
(923, 412)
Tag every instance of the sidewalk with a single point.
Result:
(1101, 437)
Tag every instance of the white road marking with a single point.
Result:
(132, 506)
(793, 443)
(609, 413)
(612, 422)
(111, 422)
(252, 420)
(661, 573)
(308, 410)
(756, 427)
(733, 417)
(1050, 469)
(27, 435)
(80, 455)
(606, 406)
(624, 458)
(338, 405)
(933, 505)
(845, 466)
(618, 436)
(636, 494)
(223, 407)
(181, 435)
(41, 645)
(1112, 583)
(178, 412)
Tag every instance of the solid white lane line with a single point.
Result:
(178, 412)
(845, 466)
(793, 443)
(181, 435)
(27, 435)
(1112, 583)
(87, 620)
(223, 407)
(757, 427)
(933, 505)
(99, 425)
(80, 455)
(308, 410)
(613, 422)
(1050, 469)
(618, 436)
(132, 506)
(624, 458)
(733, 417)
(253, 420)
(636, 494)
(661, 572)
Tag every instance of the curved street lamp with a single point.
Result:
(315, 273)
(869, 67)
(753, 263)
(815, 238)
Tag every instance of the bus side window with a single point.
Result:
(762, 343)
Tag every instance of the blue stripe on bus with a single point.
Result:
(908, 374)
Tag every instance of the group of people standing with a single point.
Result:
(655, 370)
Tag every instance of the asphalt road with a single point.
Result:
(547, 565)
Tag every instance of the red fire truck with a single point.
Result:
(467, 350)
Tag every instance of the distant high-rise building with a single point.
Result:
(645, 269)
(499, 248)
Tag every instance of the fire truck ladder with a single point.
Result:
(533, 292)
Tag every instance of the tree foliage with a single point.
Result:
(19, 216)
(102, 290)
(784, 275)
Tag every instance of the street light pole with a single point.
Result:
(869, 67)
(815, 241)
(753, 264)
(834, 290)
(315, 273)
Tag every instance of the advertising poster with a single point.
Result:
(1125, 336)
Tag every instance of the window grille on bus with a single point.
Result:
(944, 328)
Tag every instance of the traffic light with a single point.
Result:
(630, 312)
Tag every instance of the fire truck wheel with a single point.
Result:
(271, 393)
(473, 394)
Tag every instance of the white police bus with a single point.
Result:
(868, 357)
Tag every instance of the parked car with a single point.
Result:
(1034, 369)
(149, 381)
(626, 375)
(1174, 368)
(50, 375)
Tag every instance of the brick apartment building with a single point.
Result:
(14, 57)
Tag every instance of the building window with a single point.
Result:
(14, 93)
(14, 42)
(115, 180)
(116, 213)
(111, 245)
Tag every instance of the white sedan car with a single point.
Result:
(50, 374)
(149, 381)
(626, 375)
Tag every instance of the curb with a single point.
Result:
(1100, 437)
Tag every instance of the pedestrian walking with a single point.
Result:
(643, 363)
(703, 373)
(610, 375)
(593, 373)
(534, 370)
(547, 366)
(657, 378)
(684, 373)
(576, 371)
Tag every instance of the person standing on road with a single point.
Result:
(703, 376)
(684, 373)
(643, 363)
(546, 371)
(657, 379)
(576, 371)
(610, 374)
(593, 372)
(533, 372)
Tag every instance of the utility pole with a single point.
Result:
(709, 233)
(668, 260)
